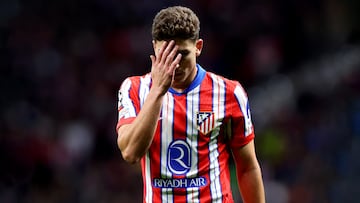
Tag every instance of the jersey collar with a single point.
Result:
(198, 79)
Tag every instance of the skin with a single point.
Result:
(169, 69)
(248, 174)
(174, 65)
(186, 71)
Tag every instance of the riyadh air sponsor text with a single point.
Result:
(179, 183)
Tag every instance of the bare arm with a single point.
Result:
(249, 174)
(134, 139)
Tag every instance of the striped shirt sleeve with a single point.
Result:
(128, 102)
(242, 128)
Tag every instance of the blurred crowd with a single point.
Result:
(62, 63)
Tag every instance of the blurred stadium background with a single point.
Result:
(62, 63)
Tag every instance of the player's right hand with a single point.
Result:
(164, 64)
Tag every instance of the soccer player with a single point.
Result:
(184, 123)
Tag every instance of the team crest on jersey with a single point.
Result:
(205, 122)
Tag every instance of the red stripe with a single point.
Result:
(223, 151)
(155, 162)
(142, 162)
(133, 93)
(203, 140)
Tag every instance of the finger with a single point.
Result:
(171, 57)
(160, 51)
(166, 52)
(175, 64)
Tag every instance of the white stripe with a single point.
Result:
(148, 192)
(206, 124)
(243, 100)
(203, 127)
(166, 138)
(144, 88)
(192, 135)
(218, 109)
(144, 91)
(210, 122)
(126, 101)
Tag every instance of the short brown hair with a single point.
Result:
(175, 22)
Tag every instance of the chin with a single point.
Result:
(177, 80)
(178, 75)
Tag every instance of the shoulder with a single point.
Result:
(138, 78)
(230, 84)
(136, 81)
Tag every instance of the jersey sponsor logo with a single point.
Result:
(179, 157)
(179, 183)
(205, 122)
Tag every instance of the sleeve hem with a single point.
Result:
(246, 140)
(124, 121)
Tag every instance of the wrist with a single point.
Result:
(157, 92)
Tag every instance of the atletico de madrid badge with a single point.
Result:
(205, 122)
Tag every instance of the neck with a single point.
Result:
(179, 90)
(181, 86)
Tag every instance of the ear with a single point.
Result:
(199, 45)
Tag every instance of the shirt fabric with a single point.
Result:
(189, 156)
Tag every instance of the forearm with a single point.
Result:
(248, 174)
(251, 185)
(134, 139)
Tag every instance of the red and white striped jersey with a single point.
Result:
(188, 158)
